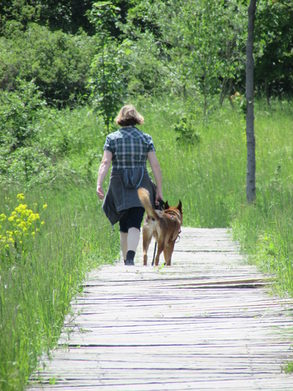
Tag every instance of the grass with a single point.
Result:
(35, 292)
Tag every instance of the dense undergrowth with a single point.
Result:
(203, 164)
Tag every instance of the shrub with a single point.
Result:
(58, 62)
(186, 130)
(18, 110)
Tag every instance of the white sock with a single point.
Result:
(123, 243)
(133, 239)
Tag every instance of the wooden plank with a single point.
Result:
(207, 322)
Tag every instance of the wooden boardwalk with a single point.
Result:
(207, 322)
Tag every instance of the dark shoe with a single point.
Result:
(129, 262)
(129, 258)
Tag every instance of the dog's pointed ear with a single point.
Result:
(166, 206)
(179, 206)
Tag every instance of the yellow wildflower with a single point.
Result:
(20, 196)
(45, 206)
(20, 208)
(2, 217)
(22, 225)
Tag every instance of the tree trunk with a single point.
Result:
(250, 139)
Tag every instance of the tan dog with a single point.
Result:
(164, 225)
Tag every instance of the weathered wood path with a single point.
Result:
(206, 323)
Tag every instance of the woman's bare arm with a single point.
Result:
(157, 173)
(104, 168)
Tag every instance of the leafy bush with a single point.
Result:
(58, 62)
(26, 164)
(17, 111)
(62, 145)
(186, 129)
(147, 73)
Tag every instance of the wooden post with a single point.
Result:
(250, 139)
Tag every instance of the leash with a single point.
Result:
(160, 207)
(155, 249)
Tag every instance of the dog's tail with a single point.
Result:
(144, 197)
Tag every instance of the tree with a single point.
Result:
(250, 139)
(201, 44)
(108, 81)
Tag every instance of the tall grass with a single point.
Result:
(209, 178)
(35, 292)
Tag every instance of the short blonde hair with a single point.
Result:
(128, 115)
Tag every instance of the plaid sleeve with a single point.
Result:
(150, 144)
(108, 144)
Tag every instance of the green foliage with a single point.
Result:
(20, 11)
(197, 49)
(108, 80)
(274, 50)
(108, 77)
(66, 147)
(26, 164)
(104, 15)
(202, 44)
(208, 43)
(20, 158)
(144, 17)
(186, 129)
(289, 367)
(147, 74)
(70, 16)
(57, 62)
(18, 111)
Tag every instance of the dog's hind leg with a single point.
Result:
(168, 251)
(159, 251)
(146, 240)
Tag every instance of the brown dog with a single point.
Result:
(164, 225)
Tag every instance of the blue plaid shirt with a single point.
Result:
(129, 147)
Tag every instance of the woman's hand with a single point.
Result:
(159, 196)
(157, 174)
(100, 192)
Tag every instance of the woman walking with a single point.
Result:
(128, 149)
